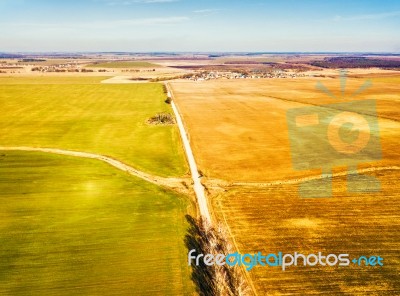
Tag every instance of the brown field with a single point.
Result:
(238, 128)
(275, 219)
(238, 133)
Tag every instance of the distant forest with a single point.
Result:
(356, 62)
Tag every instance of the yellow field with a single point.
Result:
(238, 131)
(275, 219)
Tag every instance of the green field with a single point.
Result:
(124, 64)
(45, 79)
(80, 227)
(82, 114)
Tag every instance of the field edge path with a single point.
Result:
(173, 183)
(314, 177)
(196, 177)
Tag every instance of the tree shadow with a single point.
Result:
(211, 280)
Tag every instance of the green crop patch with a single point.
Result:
(107, 119)
(72, 226)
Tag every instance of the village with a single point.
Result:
(211, 75)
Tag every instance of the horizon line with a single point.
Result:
(199, 52)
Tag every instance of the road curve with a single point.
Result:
(174, 183)
(196, 177)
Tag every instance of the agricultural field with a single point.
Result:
(274, 219)
(82, 114)
(124, 64)
(238, 129)
(46, 62)
(77, 226)
(239, 135)
(85, 223)
(53, 79)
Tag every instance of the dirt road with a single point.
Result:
(173, 183)
(316, 177)
(196, 177)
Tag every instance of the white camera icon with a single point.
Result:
(322, 137)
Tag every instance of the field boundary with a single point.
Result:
(309, 178)
(196, 177)
(122, 80)
(337, 109)
(172, 183)
(198, 186)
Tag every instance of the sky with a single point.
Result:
(199, 26)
